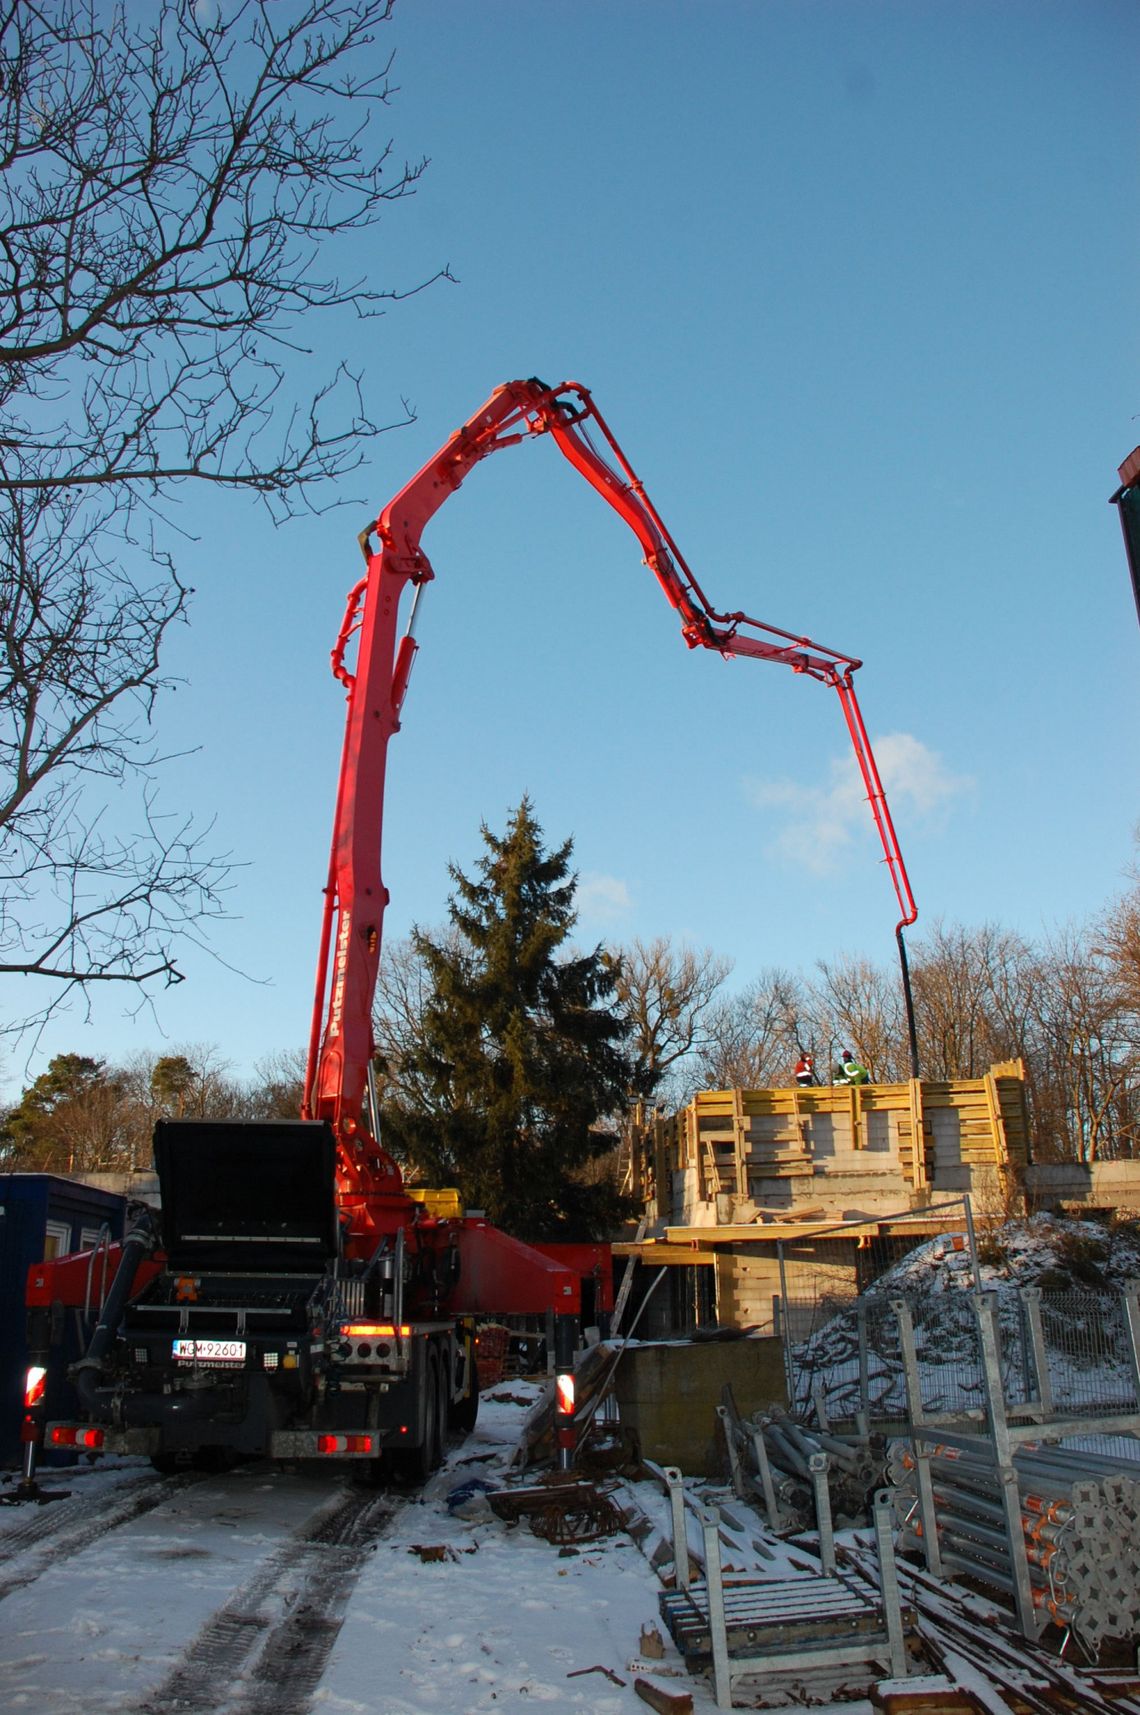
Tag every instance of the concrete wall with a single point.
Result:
(747, 1285)
(1068, 1184)
(668, 1395)
(140, 1186)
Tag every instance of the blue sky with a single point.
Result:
(854, 284)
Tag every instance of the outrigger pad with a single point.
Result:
(247, 1194)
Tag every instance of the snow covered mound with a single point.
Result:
(1049, 1251)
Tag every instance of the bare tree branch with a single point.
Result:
(173, 181)
(665, 993)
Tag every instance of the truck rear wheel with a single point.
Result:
(466, 1410)
(419, 1462)
(442, 1409)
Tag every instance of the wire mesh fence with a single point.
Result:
(1071, 1350)
(1087, 1341)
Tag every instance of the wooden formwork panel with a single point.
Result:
(732, 1137)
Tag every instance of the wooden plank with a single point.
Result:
(660, 1253)
(854, 1093)
(920, 1165)
(996, 1120)
(738, 1145)
(665, 1702)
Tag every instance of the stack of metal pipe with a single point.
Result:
(1080, 1514)
(854, 1472)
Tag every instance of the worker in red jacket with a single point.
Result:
(805, 1069)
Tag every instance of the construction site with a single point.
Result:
(811, 1192)
(862, 1389)
(453, 1366)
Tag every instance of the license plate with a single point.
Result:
(210, 1351)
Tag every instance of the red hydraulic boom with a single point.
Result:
(355, 898)
(365, 1347)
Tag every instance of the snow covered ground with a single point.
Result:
(186, 1606)
(274, 1593)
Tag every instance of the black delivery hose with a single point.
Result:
(88, 1372)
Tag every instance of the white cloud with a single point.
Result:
(820, 822)
(602, 898)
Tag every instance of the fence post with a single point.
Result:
(766, 1483)
(864, 1367)
(789, 1372)
(916, 1418)
(1023, 1338)
(676, 1484)
(912, 1381)
(1131, 1297)
(718, 1630)
(819, 1402)
(818, 1465)
(734, 1465)
(1031, 1303)
(889, 1583)
(985, 1307)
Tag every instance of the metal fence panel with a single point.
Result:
(849, 1348)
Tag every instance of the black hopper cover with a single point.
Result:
(247, 1194)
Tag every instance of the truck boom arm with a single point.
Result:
(355, 896)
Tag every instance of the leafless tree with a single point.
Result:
(754, 1036)
(173, 179)
(856, 1005)
(1088, 1062)
(665, 992)
(973, 993)
(1119, 940)
(277, 1088)
(403, 988)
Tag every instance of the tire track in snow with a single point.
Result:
(265, 1650)
(68, 1527)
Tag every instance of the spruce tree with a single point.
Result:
(521, 1054)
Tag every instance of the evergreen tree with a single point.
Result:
(170, 1082)
(65, 1120)
(521, 1055)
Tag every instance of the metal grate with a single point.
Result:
(775, 1614)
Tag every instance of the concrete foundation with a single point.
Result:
(668, 1395)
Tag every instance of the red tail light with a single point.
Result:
(71, 1435)
(345, 1444)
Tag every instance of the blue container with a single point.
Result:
(43, 1216)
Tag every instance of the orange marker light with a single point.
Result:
(375, 1330)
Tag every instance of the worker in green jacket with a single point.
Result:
(851, 1072)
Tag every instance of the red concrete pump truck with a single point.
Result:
(292, 1300)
